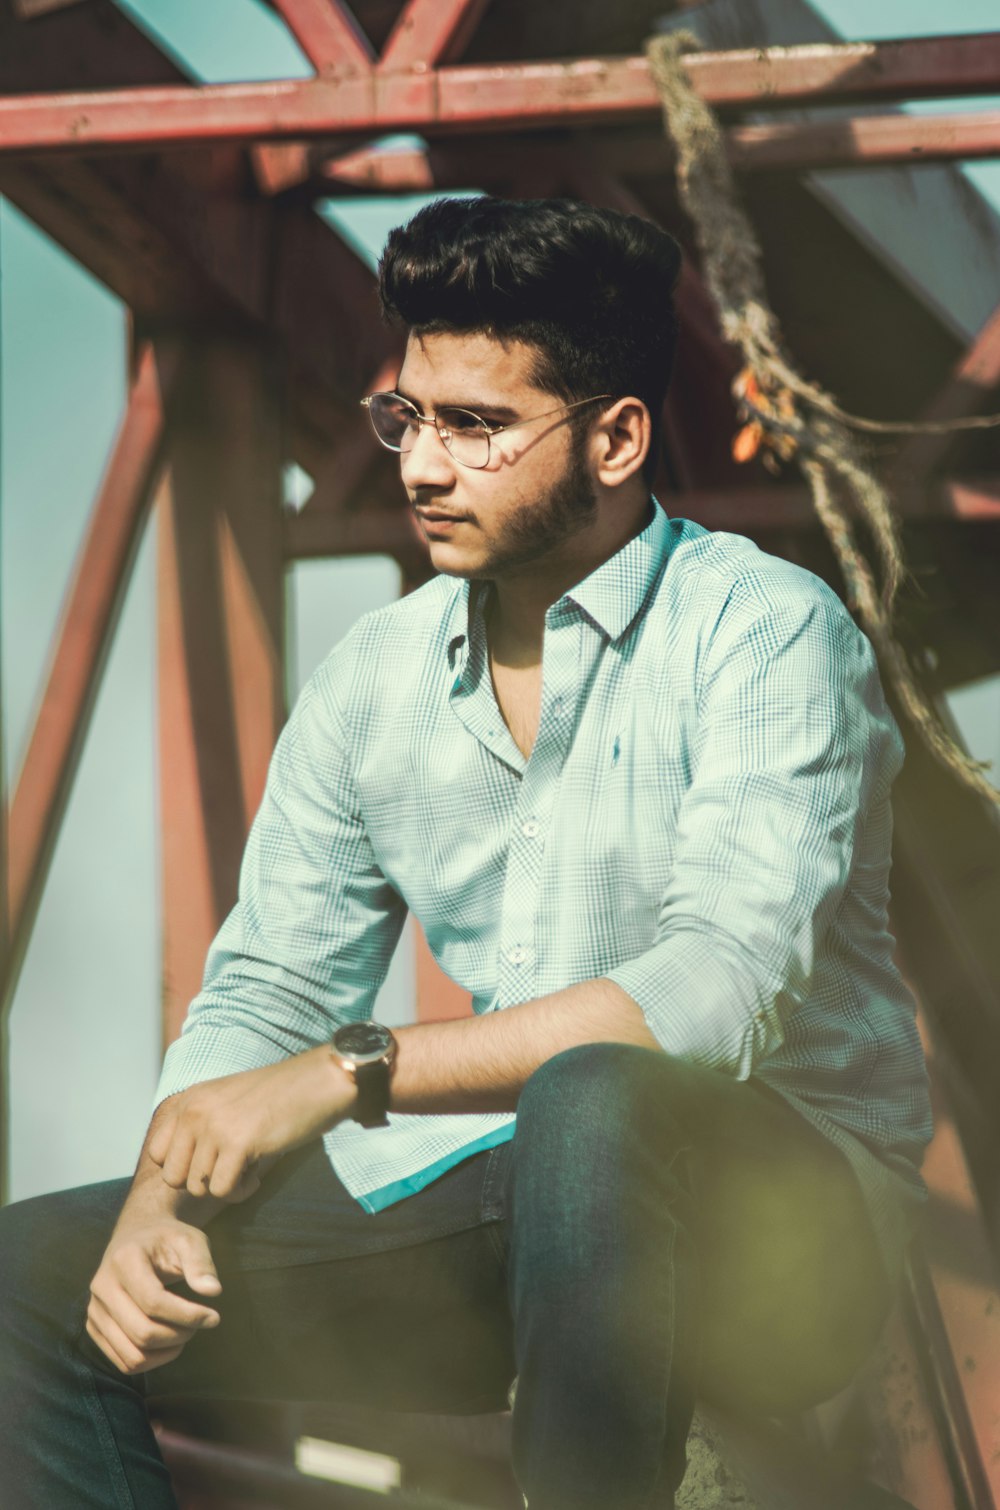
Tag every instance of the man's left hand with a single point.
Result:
(219, 1137)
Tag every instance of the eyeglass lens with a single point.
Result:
(397, 423)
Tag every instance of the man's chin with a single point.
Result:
(451, 561)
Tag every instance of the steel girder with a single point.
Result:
(378, 99)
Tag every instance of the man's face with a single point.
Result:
(535, 495)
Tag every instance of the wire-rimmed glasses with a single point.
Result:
(396, 422)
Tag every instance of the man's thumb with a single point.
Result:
(197, 1266)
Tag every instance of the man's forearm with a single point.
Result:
(151, 1198)
(481, 1063)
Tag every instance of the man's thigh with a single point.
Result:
(794, 1292)
(402, 1310)
(320, 1300)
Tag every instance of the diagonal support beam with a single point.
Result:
(90, 615)
(429, 32)
(974, 379)
(328, 34)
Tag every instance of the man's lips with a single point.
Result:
(431, 519)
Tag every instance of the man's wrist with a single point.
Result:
(365, 1053)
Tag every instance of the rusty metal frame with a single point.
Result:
(967, 391)
(220, 639)
(430, 32)
(88, 620)
(259, 263)
(582, 91)
(90, 614)
(328, 34)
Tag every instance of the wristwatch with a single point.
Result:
(366, 1051)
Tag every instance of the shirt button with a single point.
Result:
(517, 955)
(557, 707)
(530, 829)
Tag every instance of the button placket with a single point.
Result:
(526, 853)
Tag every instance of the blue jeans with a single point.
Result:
(654, 1230)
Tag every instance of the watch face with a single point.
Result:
(362, 1040)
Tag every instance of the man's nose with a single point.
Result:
(428, 462)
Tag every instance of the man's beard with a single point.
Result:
(542, 525)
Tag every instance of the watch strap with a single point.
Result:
(372, 1081)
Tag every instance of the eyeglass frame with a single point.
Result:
(488, 429)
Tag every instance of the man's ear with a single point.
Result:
(621, 440)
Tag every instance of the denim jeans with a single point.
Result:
(654, 1230)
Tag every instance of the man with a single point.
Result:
(633, 779)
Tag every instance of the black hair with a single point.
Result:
(591, 289)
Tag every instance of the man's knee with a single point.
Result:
(602, 1089)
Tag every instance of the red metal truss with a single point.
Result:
(28, 8)
(429, 32)
(89, 617)
(220, 633)
(518, 96)
(967, 392)
(869, 139)
(328, 34)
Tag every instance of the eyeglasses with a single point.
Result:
(397, 423)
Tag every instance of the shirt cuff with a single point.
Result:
(699, 1005)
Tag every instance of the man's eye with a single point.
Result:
(459, 423)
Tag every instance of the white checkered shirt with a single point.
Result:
(704, 819)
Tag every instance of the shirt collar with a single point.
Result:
(611, 596)
(614, 593)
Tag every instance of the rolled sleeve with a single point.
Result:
(793, 739)
(310, 939)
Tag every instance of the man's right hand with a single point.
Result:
(134, 1317)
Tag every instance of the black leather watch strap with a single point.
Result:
(372, 1104)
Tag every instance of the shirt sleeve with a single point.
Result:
(794, 746)
(309, 942)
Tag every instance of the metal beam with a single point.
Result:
(328, 34)
(869, 140)
(484, 97)
(865, 140)
(221, 618)
(89, 616)
(29, 8)
(429, 32)
(966, 393)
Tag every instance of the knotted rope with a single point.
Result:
(795, 419)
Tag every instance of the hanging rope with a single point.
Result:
(789, 417)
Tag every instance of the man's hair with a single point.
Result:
(590, 289)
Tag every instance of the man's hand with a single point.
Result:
(133, 1317)
(219, 1137)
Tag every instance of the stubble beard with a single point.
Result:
(539, 527)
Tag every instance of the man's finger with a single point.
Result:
(98, 1338)
(160, 1303)
(127, 1359)
(144, 1332)
(231, 1168)
(142, 1275)
(193, 1256)
(159, 1141)
(113, 1342)
(203, 1163)
(178, 1157)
